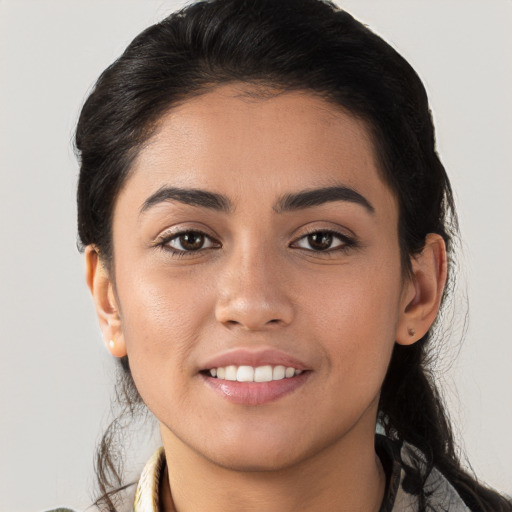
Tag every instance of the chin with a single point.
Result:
(256, 461)
(261, 451)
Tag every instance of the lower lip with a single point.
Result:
(255, 393)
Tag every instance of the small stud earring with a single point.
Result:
(410, 331)
(111, 344)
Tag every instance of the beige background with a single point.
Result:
(55, 376)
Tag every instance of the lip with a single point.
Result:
(255, 393)
(259, 357)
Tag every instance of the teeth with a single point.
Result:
(289, 372)
(278, 373)
(230, 372)
(245, 374)
(265, 373)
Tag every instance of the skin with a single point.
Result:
(261, 284)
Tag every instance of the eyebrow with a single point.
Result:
(286, 203)
(191, 196)
(319, 196)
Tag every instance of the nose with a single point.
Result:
(253, 293)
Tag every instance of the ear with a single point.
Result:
(423, 291)
(102, 290)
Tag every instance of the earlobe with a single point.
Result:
(116, 347)
(102, 291)
(423, 292)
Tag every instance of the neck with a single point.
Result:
(346, 476)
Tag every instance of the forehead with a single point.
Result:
(245, 144)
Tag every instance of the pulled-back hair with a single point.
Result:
(306, 45)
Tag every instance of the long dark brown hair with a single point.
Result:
(306, 45)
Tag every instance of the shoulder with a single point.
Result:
(60, 509)
(412, 483)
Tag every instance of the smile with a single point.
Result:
(266, 373)
(254, 377)
(251, 391)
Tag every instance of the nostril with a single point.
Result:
(254, 312)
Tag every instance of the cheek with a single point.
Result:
(160, 309)
(161, 319)
(357, 298)
(354, 313)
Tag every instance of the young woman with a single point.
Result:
(267, 230)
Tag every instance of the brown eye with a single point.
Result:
(324, 241)
(320, 241)
(190, 241)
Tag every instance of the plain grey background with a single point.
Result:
(55, 375)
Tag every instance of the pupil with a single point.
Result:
(320, 241)
(192, 241)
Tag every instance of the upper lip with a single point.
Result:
(255, 358)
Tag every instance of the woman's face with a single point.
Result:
(257, 232)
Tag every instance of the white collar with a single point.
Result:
(146, 495)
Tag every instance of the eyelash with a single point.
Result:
(347, 243)
(165, 239)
